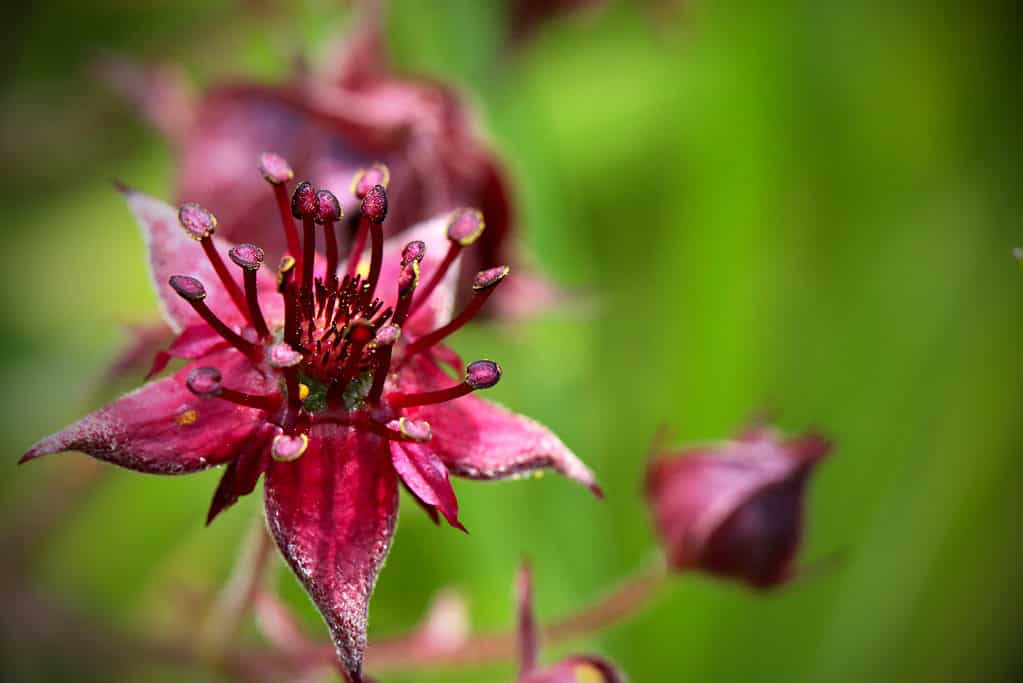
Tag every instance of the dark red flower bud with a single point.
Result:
(374, 204)
(205, 382)
(413, 251)
(366, 179)
(248, 256)
(487, 279)
(275, 168)
(735, 510)
(197, 221)
(303, 201)
(187, 287)
(465, 226)
(482, 374)
(328, 208)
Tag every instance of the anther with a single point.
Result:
(304, 205)
(281, 355)
(207, 382)
(200, 224)
(249, 258)
(192, 291)
(413, 251)
(374, 210)
(287, 448)
(480, 374)
(367, 178)
(328, 212)
(277, 171)
(413, 430)
(484, 284)
(464, 227)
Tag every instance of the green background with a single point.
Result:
(805, 209)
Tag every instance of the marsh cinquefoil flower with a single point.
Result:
(326, 377)
(735, 510)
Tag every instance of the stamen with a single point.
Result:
(207, 382)
(413, 251)
(387, 337)
(287, 448)
(192, 291)
(277, 172)
(250, 257)
(408, 280)
(374, 209)
(285, 285)
(200, 224)
(464, 227)
(367, 178)
(484, 284)
(328, 212)
(480, 374)
(304, 205)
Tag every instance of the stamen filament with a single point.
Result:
(288, 223)
(225, 276)
(441, 333)
(255, 312)
(376, 258)
(454, 249)
(229, 335)
(398, 399)
(358, 246)
(266, 402)
(308, 258)
(330, 236)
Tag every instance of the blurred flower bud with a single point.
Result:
(734, 510)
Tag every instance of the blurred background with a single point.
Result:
(802, 208)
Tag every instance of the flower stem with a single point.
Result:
(409, 651)
(220, 631)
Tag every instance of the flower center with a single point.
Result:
(338, 344)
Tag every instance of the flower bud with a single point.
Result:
(734, 510)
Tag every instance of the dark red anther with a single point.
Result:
(277, 171)
(287, 448)
(413, 251)
(483, 285)
(480, 374)
(328, 212)
(207, 382)
(304, 205)
(367, 178)
(192, 291)
(412, 430)
(249, 258)
(200, 224)
(374, 209)
(464, 227)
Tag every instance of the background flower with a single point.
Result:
(803, 206)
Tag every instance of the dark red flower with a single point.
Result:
(572, 669)
(735, 509)
(327, 377)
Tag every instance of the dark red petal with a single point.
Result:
(163, 428)
(172, 252)
(430, 510)
(242, 473)
(578, 669)
(332, 513)
(427, 477)
(480, 440)
(195, 341)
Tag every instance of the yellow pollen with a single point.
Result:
(303, 392)
(363, 268)
(587, 673)
(187, 418)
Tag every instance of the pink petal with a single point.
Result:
(332, 513)
(480, 440)
(195, 341)
(427, 477)
(243, 473)
(172, 252)
(163, 428)
(578, 669)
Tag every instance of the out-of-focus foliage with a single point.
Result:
(804, 208)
